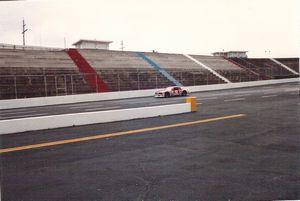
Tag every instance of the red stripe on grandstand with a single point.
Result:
(90, 74)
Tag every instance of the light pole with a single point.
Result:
(122, 45)
(267, 52)
(23, 32)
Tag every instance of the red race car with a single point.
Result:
(171, 91)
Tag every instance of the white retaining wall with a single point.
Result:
(77, 119)
(55, 100)
(241, 84)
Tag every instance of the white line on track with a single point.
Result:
(18, 112)
(71, 105)
(29, 115)
(151, 100)
(211, 98)
(242, 95)
(162, 103)
(270, 92)
(135, 102)
(93, 106)
(66, 106)
(269, 96)
(291, 90)
(104, 108)
(18, 109)
(246, 92)
(236, 99)
(132, 101)
(82, 104)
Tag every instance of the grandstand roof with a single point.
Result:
(93, 41)
(231, 52)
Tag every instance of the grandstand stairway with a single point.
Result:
(284, 66)
(90, 74)
(292, 63)
(208, 68)
(159, 69)
(247, 69)
(252, 67)
(266, 67)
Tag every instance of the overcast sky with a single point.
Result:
(265, 28)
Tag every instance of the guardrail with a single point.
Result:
(78, 119)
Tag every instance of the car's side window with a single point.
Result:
(176, 90)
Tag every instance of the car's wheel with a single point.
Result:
(184, 93)
(167, 95)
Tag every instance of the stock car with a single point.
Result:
(171, 91)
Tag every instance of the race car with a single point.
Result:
(172, 91)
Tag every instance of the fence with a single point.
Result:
(26, 86)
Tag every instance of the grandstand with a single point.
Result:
(38, 72)
(35, 73)
(268, 68)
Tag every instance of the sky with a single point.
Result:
(264, 28)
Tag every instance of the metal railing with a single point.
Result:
(21, 47)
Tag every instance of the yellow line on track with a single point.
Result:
(48, 144)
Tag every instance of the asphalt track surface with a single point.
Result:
(198, 156)
(228, 95)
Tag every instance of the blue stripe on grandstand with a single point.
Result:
(159, 69)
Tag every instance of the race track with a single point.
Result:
(241, 144)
